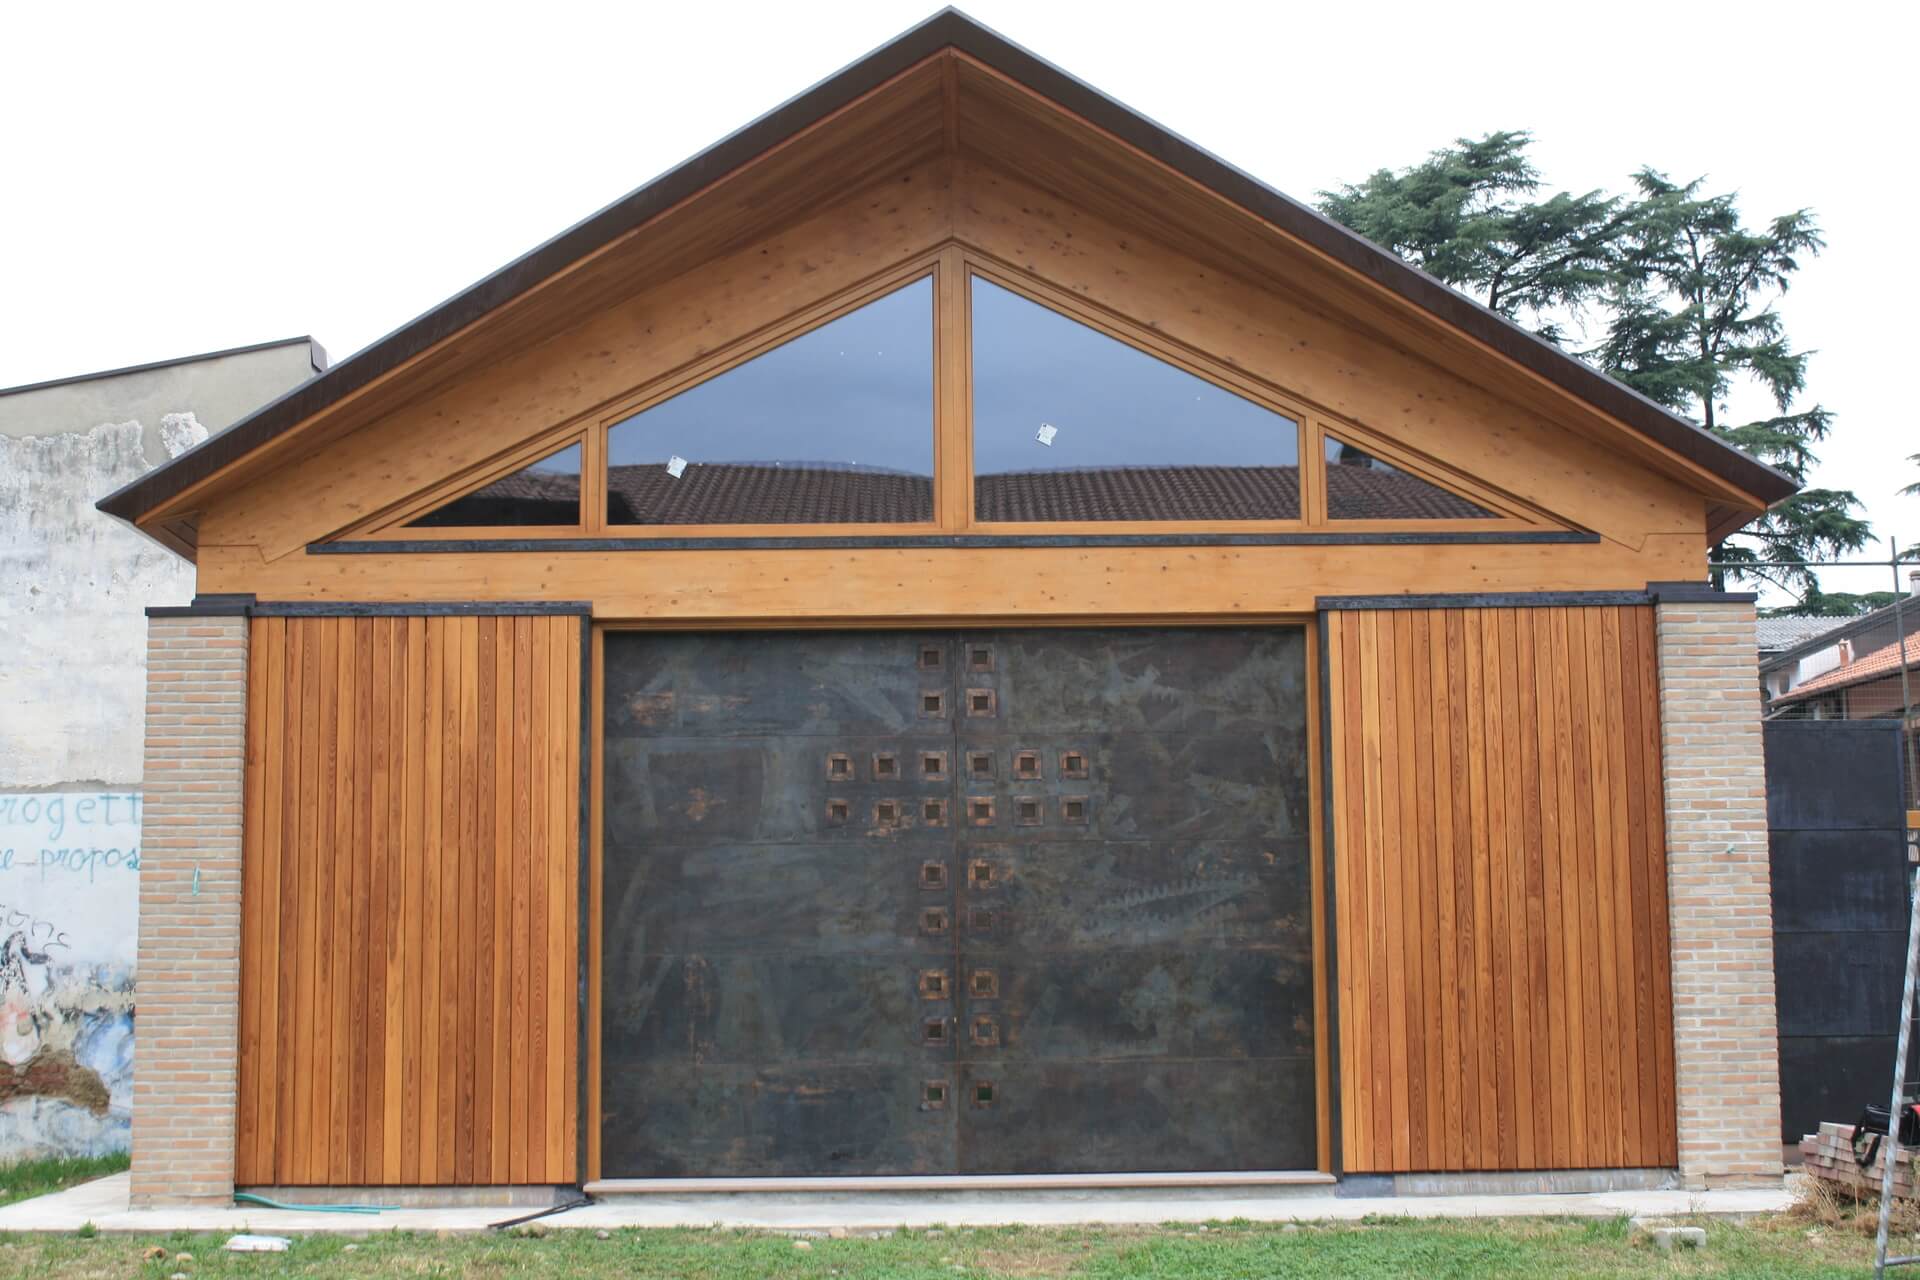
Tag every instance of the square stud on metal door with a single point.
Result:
(980, 874)
(1028, 811)
(985, 1031)
(1026, 766)
(933, 813)
(933, 766)
(979, 764)
(933, 1095)
(980, 811)
(1073, 764)
(933, 1031)
(979, 657)
(933, 984)
(933, 704)
(983, 984)
(933, 875)
(981, 702)
(837, 813)
(886, 813)
(1073, 810)
(979, 920)
(934, 921)
(886, 766)
(983, 1093)
(932, 657)
(840, 766)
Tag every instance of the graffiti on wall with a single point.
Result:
(69, 894)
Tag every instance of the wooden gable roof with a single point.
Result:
(948, 86)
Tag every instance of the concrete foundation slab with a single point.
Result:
(104, 1204)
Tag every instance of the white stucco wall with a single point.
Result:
(74, 587)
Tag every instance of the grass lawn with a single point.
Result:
(1784, 1246)
(31, 1178)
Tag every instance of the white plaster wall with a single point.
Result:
(74, 585)
(74, 588)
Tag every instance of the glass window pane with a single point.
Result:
(834, 426)
(1362, 487)
(1070, 424)
(546, 492)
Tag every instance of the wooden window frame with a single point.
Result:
(951, 268)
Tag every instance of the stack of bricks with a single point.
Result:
(189, 948)
(1726, 1053)
(1828, 1156)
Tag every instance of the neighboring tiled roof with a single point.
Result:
(1776, 634)
(758, 493)
(1881, 662)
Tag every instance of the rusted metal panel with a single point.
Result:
(1072, 866)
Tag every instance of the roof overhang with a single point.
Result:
(914, 97)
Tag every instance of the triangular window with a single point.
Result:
(544, 492)
(1361, 486)
(832, 427)
(1070, 423)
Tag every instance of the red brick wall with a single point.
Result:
(1726, 1057)
(189, 970)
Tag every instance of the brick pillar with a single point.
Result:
(1726, 1049)
(188, 984)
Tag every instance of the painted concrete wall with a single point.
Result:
(74, 585)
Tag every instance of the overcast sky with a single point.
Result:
(181, 177)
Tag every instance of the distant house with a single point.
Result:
(1836, 654)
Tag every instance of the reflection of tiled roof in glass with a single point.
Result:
(762, 493)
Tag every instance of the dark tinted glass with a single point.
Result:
(545, 492)
(1070, 424)
(835, 426)
(1362, 487)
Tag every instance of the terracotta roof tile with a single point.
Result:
(1881, 662)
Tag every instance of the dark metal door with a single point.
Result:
(979, 902)
(1835, 816)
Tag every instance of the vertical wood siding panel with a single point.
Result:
(447, 1123)
(1500, 890)
(467, 899)
(1406, 810)
(520, 930)
(501, 1048)
(538, 850)
(401, 786)
(1487, 998)
(266, 967)
(375, 686)
(1668, 1147)
(247, 1102)
(481, 856)
(1381, 1010)
(413, 897)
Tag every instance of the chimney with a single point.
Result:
(1913, 584)
(1845, 648)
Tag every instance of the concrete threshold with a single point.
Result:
(104, 1204)
(607, 1187)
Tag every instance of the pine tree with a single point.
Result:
(1467, 215)
(1691, 316)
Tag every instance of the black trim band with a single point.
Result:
(1696, 593)
(1489, 600)
(236, 605)
(468, 546)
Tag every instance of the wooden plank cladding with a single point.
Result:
(1500, 890)
(410, 902)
